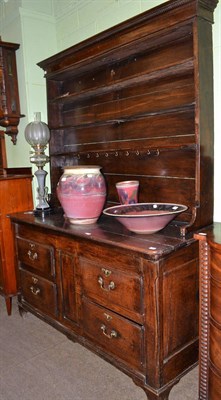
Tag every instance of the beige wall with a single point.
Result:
(43, 27)
(31, 24)
(78, 20)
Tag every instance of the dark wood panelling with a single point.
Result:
(138, 114)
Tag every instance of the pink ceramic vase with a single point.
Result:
(81, 191)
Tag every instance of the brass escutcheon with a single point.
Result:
(107, 316)
(106, 272)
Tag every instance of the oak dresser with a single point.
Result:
(137, 100)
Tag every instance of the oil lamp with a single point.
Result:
(37, 135)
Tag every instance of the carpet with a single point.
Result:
(37, 362)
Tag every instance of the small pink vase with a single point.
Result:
(81, 191)
(128, 191)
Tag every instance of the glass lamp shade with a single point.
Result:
(37, 133)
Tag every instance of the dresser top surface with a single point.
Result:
(110, 232)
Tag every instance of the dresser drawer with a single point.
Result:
(215, 262)
(214, 385)
(37, 256)
(39, 292)
(114, 334)
(111, 287)
(215, 349)
(215, 300)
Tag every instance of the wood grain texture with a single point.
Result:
(15, 196)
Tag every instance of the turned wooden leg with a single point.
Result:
(8, 302)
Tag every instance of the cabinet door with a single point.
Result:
(68, 282)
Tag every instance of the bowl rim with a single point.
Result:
(180, 208)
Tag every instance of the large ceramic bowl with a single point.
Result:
(145, 217)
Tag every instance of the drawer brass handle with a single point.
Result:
(32, 256)
(111, 285)
(34, 280)
(34, 290)
(112, 334)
